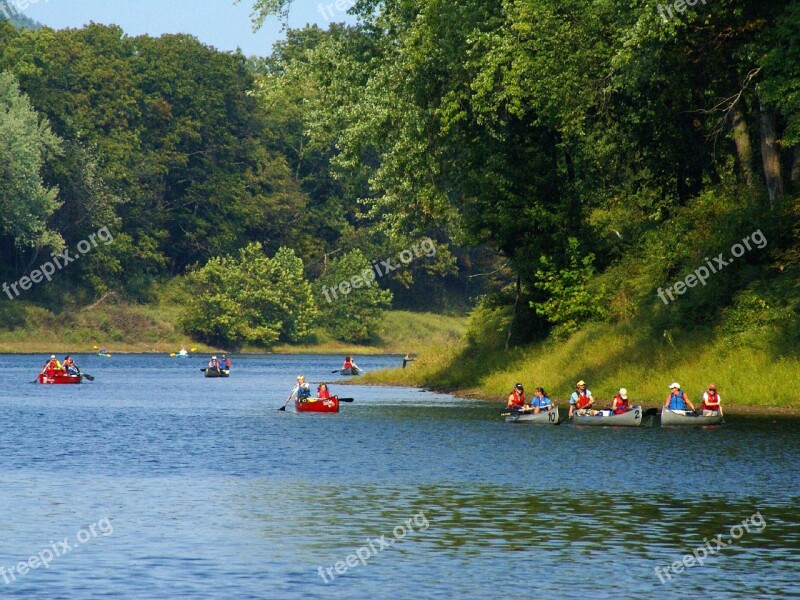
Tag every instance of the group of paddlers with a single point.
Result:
(302, 391)
(222, 364)
(53, 367)
(581, 401)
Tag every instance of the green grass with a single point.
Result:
(746, 371)
(123, 327)
(402, 332)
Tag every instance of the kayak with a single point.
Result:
(670, 418)
(545, 417)
(210, 373)
(106, 355)
(632, 418)
(350, 371)
(59, 378)
(328, 405)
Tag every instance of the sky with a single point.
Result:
(219, 23)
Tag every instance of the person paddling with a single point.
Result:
(70, 366)
(301, 391)
(516, 399)
(581, 399)
(711, 401)
(677, 399)
(349, 363)
(540, 401)
(620, 404)
(52, 366)
(225, 363)
(213, 364)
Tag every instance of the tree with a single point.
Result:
(251, 299)
(354, 303)
(26, 203)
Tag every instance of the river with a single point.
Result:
(154, 482)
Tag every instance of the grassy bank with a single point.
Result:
(746, 370)
(153, 328)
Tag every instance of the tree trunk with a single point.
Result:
(796, 166)
(741, 137)
(770, 155)
(514, 315)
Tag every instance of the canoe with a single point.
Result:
(106, 355)
(60, 378)
(632, 418)
(210, 373)
(329, 405)
(671, 418)
(350, 371)
(544, 418)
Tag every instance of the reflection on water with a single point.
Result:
(213, 493)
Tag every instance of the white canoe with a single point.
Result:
(544, 418)
(605, 418)
(681, 418)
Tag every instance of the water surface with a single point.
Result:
(214, 493)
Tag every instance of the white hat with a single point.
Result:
(213, 358)
(674, 385)
(52, 356)
(623, 393)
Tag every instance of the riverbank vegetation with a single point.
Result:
(130, 327)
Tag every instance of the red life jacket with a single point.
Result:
(519, 399)
(622, 405)
(347, 364)
(711, 399)
(583, 400)
(323, 394)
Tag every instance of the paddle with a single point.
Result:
(347, 399)
(336, 371)
(89, 377)
(283, 408)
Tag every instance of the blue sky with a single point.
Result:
(219, 23)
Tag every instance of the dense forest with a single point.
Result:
(570, 159)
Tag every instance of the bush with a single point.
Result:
(250, 300)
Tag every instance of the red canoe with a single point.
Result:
(329, 405)
(59, 377)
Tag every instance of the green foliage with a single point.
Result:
(571, 303)
(356, 316)
(250, 299)
(26, 203)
